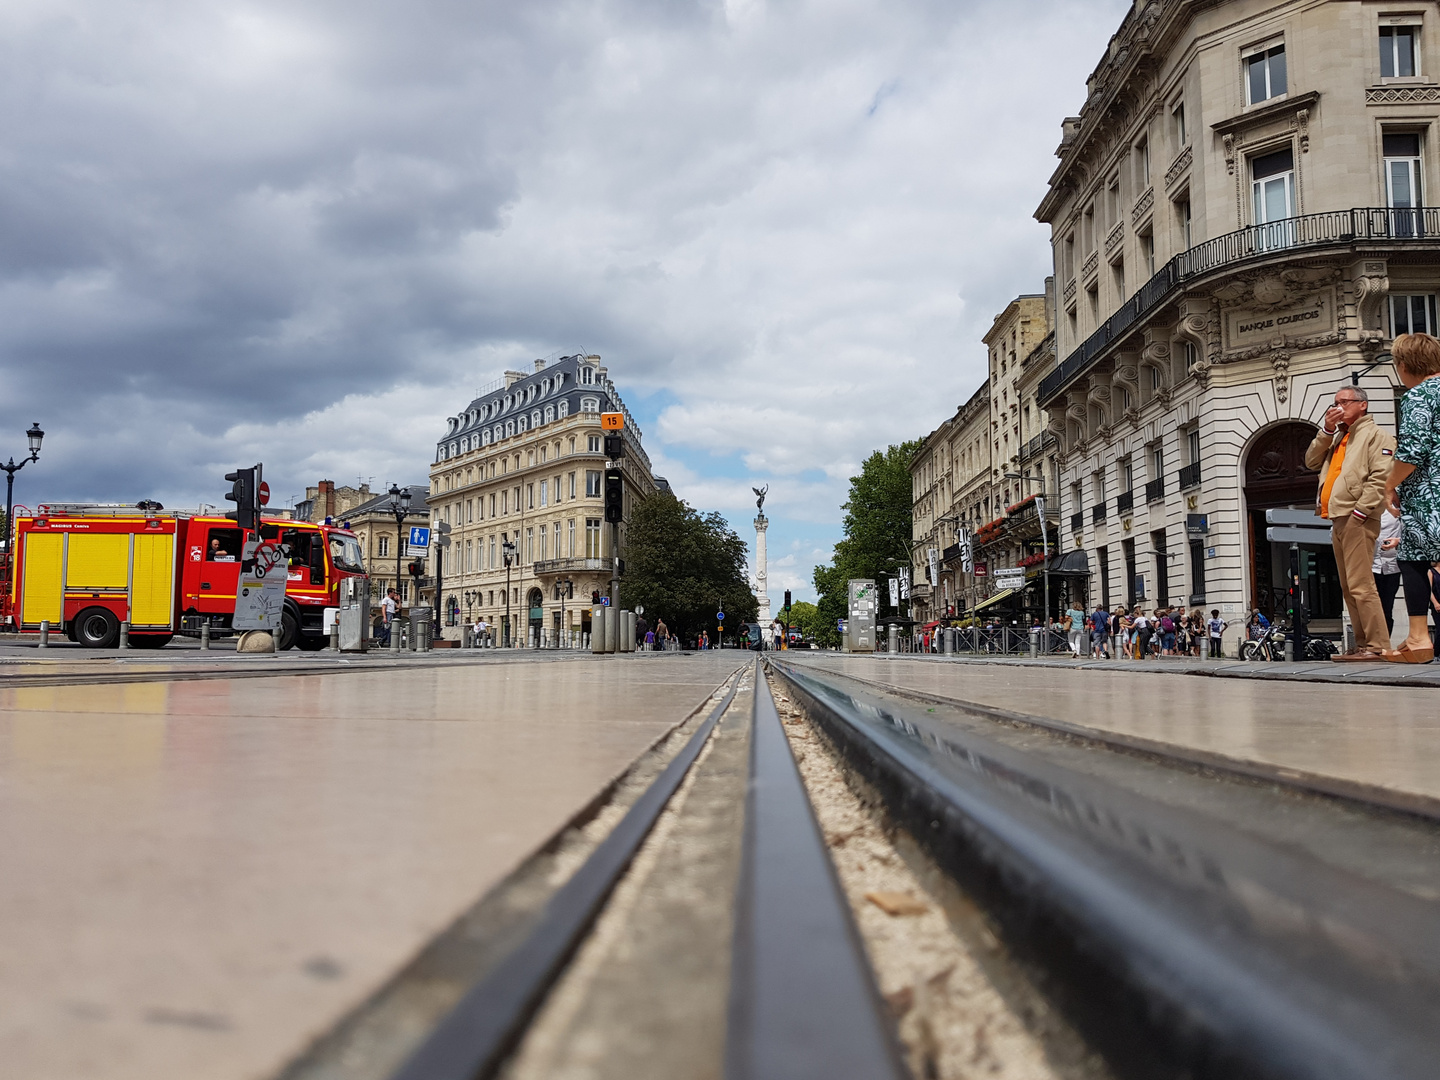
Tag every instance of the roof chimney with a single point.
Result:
(539, 365)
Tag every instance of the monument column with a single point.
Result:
(761, 524)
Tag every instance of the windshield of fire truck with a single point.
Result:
(345, 554)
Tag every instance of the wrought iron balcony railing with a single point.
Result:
(1097, 513)
(1125, 502)
(1077, 521)
(1329, 229)
(1155, 490)
(1190, 477)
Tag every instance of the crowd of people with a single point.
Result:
(1140, 633)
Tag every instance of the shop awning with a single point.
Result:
(931, 625)
(1070, 564)
(1001, 595)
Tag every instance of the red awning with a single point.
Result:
(931, 625)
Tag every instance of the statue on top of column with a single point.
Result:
(760, 502)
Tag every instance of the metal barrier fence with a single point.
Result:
(998, 641)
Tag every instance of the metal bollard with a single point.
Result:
(335, 635)
(394, 635)
(597, 631)
(893, 642)
(205, 635)
(44, 633)
(1289, 650)
(1204, 647)
(125, 635)
(1034, 643)
(612, 629)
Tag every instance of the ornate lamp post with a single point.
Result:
(400, 507)
(509, 549)
(35, 435)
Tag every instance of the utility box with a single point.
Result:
(860, 626)
(354, 614)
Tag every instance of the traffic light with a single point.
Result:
(614, 495)
(594, 597)
(787, 599)
(614, 447)
(416, 568)
(243, 493)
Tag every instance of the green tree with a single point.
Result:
(683, 566)
(805, 617)
(878, 531)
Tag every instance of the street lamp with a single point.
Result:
(470, 598)
(509, 548)
(35, 435)
(1044, 547)
(400, 507)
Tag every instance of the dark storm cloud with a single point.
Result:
(306, 231)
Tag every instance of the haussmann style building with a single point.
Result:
(1239, 221)
(517, 476)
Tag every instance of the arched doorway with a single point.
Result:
(1275, 478)
(535, 601)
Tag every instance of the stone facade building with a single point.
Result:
(325, 500)
(373, 523)
(1238, 224)
(520, 469)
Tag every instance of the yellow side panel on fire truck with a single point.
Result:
(151, 589)
(98, 561)
(44, 560)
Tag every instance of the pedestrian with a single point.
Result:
(1354, 457)
(1256, 625)
(1413, 488)
(1216, 629)
(649, 641)
(1074, 623)
(1386, 567)
(1100, 633)
(1167, 631)
(481, 631)
(1144, 631)
(641, 629)
(662, 633)
(389, 608)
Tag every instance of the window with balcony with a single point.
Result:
(1402, 180)
(1147, 253)
(1412, 314)
(1272, 186)
(1183, 221)
(1265, 75)
(1397, 52)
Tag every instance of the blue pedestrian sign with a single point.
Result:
(419, 537)
(719, 616)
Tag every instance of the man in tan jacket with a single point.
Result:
(1353, 457)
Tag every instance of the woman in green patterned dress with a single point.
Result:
(1413, 490)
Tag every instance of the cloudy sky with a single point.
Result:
(305, 231)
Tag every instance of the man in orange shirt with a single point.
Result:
(1354, 457)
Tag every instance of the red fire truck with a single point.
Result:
(86, 569)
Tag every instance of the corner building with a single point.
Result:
(523, 465)
(1239, 222)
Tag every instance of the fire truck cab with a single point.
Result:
(87, 569)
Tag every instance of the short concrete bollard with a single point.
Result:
(44, 633)
(395, 635)
(256, 641)
(124, 635)
(1204, 647)
(205, 635)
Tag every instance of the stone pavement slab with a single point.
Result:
(1382, 739)
(200, 876)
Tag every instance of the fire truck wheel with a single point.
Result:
(289, 632)
(97, 628)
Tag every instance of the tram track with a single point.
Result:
(1177, 942)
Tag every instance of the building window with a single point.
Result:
(1402, 180)
(592, 538)
(1414, 314)
(493, 563)
(1068, 257)
(520, 424)
(404, 591)
(587, 375)
(543, 534)
(572, 485)
(544, 493)
(589, 405)
(1087, 230)
(383, 547)
(1192, 444)
(535, 419)
(1397, 51)
(530, 496)
(592, 483)
(1092, 294)
(571, 530)
(509, 428)
(1118, 268)
(593, 444)
(1116, 214)
(1272, 183)
(1142, 163)
(564, 409)
(1177, 116)
(1265, 75)
(549, 414)
(1147, 253)
(1182, 218)
(530, 545)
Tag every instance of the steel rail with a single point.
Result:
(1178, 945)
(803, 1001)
(480, 1031)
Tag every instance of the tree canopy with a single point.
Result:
(878, 533)
(684, 566)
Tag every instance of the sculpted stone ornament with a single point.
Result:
(761, 492)
(1280, 362)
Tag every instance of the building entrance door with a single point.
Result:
(535, 601)
(1276, 477)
